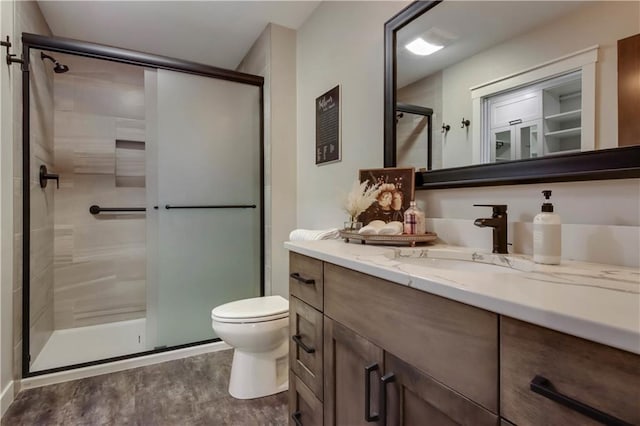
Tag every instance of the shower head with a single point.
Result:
(58, 67)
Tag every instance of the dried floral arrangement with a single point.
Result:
(360, 198)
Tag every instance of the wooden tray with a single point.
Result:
(412, 240)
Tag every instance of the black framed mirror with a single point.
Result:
(572, 131)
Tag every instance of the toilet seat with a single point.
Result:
(257, 309)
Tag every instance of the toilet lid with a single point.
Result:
(261, 308)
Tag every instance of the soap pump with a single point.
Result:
(547, 238)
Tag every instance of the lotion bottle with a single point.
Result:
(547, 237)
(414, 220)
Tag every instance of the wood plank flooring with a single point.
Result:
(190, 391)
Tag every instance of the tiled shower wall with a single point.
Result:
(100, 260)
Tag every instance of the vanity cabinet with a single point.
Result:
(352, 367)
(601, 377)
(395, 355)
(305, 348)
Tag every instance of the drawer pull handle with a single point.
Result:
(296, 418)
(544, 387)
(367, 393)
(297, 338)
(384, 381)
(296, 276)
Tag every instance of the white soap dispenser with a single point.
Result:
(547, 235)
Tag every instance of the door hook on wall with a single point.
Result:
(445, 128)
(11, 57)
(465, 123)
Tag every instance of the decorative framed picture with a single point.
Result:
(328, 127)
(397, 186)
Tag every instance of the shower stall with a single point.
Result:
(142, 201)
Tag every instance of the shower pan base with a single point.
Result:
(84, 344)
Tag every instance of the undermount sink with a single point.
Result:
(457, 265)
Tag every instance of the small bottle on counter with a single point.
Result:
(547, 236)
(414, 220)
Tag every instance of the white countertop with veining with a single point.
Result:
(589, 300)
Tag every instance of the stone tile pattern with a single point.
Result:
(99, 261)
(190, 391)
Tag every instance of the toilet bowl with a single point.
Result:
(258, 330)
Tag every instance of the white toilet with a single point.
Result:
(258, 330)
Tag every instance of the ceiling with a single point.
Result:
(217, 33)
(468, 27)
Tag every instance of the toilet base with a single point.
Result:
(254, 375)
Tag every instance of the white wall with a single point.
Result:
(351, 54)
(6, 217)
(568, 34)
(273, 56)
(341, 43)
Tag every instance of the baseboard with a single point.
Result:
(6, 398)
(126, 364)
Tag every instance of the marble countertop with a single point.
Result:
(593, 301)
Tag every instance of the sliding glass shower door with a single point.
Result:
(142, 205)
(204, 202)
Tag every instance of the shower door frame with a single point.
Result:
(131, 57)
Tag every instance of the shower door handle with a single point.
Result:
(45, 176)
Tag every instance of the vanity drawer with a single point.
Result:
(303, 405)
(305, 279)
(454, 343)
(305, 347)
(599, 376)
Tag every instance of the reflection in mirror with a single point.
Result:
(414, 136)
(534, 80)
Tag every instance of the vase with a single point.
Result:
(352, 225)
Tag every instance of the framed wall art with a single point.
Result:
(394, 194)
(328, 127)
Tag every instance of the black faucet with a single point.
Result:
(497, 221)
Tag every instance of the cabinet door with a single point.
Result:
(415, 398)
(503, 143)
(528, 140)
(347, 358)
(552, 378)
(304, 407)
(515, 108)
(305, 347)
(306, 279)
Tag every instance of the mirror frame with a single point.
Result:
(613, 163)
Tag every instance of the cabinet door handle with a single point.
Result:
(367, 393)
(518, 121)
(296, 417)
(384, 381)
(544, 387)
(298, 339)
(296, 276)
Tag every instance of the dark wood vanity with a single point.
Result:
(367, 350)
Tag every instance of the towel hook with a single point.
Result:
(445, 128)
(465, 123)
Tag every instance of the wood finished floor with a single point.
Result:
(190, 391)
